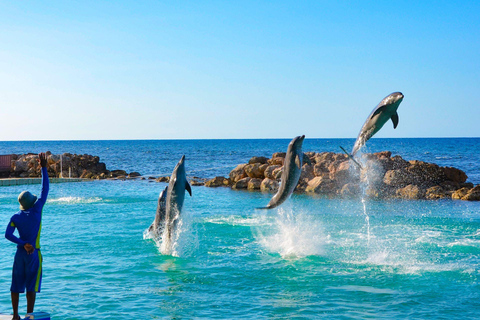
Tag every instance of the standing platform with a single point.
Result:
(29, 316)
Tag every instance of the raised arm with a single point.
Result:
(42, 159)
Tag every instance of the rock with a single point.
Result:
(134, 174)
(254, 184)
(455, 175)
(269, 185)
(238, 173)
(307, 172)
(320, 185)
(460, 193)
(279, 155)
(20, 166)
(269, 171)
(411, 192)
(473, 194)
(436, 192)
(261, 160)
(321, 168)
(396, 178)
(256, 170)
(118, 173)
(163, 179)
(215, 182)
(350, 189)
(326, 157)
(241, 184)
(277, 173)
(276, 161)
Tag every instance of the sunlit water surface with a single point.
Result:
(312, 257)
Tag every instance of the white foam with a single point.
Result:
(293, 235)
(75, 200)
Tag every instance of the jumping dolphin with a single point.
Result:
(157, 225)
(386, 109)
(175, 196)
(292, 168)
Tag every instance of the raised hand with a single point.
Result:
(42, 159)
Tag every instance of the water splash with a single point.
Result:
(75, 200)
(292, 235)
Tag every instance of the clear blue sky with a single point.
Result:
(236, 69)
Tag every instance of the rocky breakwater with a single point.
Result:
(333, 174)
(66, 165)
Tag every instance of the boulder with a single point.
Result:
(277, 173)
(307, 172)
(350, 189)
(269, 185)
(215, 182)
(455, 175)
(276, 161)
(436, 192)
(460, 193)
(134, 174)
(473, 194)
(320, 185)
(118, 173)
(261, 160)
(254, 184)
(256, 170)
(396, 178)
(269, 171)
(238, 173)
(241, 184)
(163, 179)
(411, 192)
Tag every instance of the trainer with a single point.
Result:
(27, 266)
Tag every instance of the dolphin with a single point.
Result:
(385, 110)
(157, 225)
(175, 197)
(292, 168)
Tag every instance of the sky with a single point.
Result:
(100, 70)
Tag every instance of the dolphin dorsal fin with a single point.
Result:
(395, 120)
(188, 188)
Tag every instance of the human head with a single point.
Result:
(27, 200)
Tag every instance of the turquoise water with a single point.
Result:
(313, 257)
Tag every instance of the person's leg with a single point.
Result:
(15, 298)
(31, 295)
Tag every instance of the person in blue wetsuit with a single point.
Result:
(27, 266)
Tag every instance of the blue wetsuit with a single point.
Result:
(27, 268)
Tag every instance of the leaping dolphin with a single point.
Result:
(385, 110)
(157, 225)
(175, 197)
(292, 168)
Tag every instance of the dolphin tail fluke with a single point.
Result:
(188, 188)
(351, 158)
(395, 120)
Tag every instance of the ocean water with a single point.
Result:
(314, 257)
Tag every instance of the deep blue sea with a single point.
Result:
(314, 257)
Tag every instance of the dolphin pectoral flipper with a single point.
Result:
(298, 161)
(377, 111)
(395, 120)
(188, 188)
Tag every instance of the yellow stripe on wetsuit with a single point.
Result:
(39, 272)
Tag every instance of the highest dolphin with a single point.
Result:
(175, 196)
(292, 168)
(385, 110)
